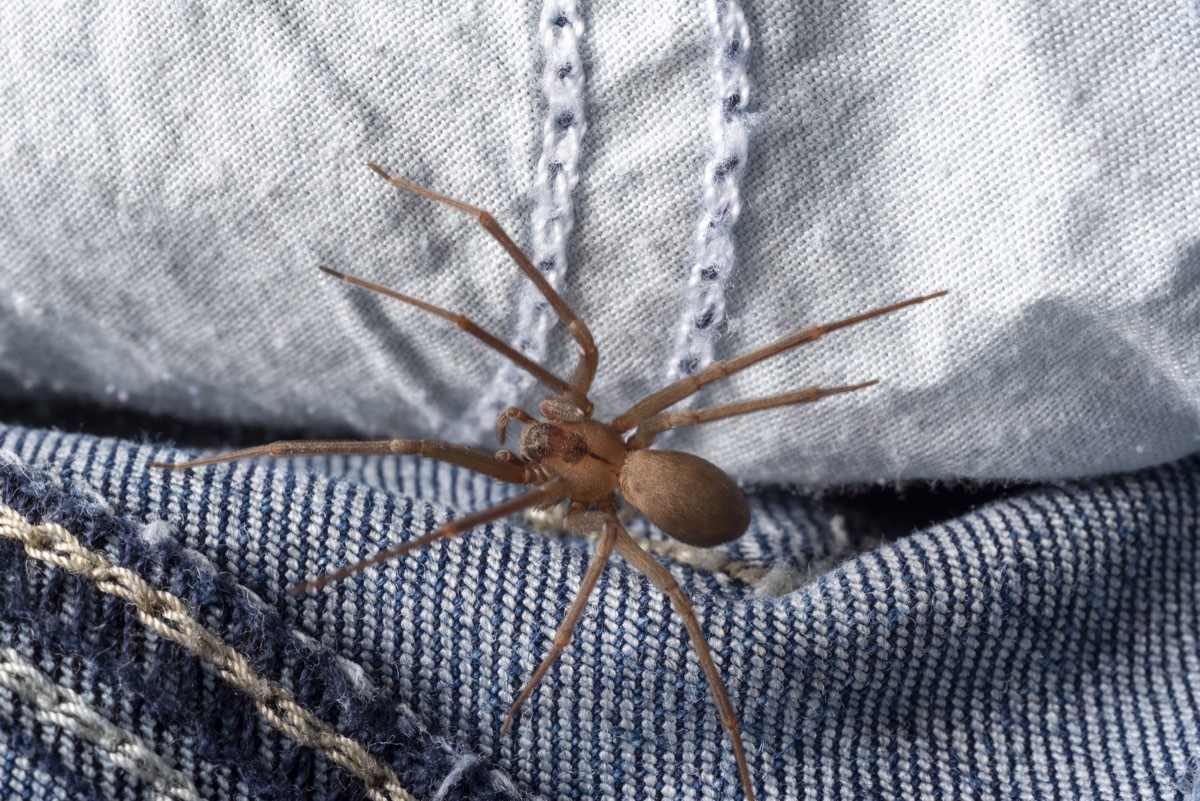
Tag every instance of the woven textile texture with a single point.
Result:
(1040, 647)
(699, 180)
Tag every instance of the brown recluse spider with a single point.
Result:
(585, 462)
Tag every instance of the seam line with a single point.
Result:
(721, 203)
(166, 615)
(66, 709)
(563, 127)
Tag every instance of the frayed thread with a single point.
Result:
(465, 763)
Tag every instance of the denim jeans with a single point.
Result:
(698, 181)
(1041, 646)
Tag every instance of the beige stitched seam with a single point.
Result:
(167, 615)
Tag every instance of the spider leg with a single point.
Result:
(652, 569)
(566, 628)
(649, 429)
(461, 455)
(486, 337)
(507, 416)
(589, 357)
(550, 492)
(673, 393)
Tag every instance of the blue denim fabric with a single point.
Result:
(92, 643)
(1039, 647)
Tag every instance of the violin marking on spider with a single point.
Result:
(570, 456)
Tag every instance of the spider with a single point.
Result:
(569, 456)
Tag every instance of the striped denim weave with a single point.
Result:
(1042, 646)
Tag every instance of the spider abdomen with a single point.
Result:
(689, 498)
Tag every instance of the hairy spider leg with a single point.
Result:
(497, 467)
(461, 455)
(466, 324)
(566, 628)
(649, 429)
(583, 523)
(589, 356)
(688, 385)
(549, 493)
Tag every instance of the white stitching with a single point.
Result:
(721, 204)
(557, 174)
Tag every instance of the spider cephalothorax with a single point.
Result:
(571, 457)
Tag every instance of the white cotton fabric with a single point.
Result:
(171, 174)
